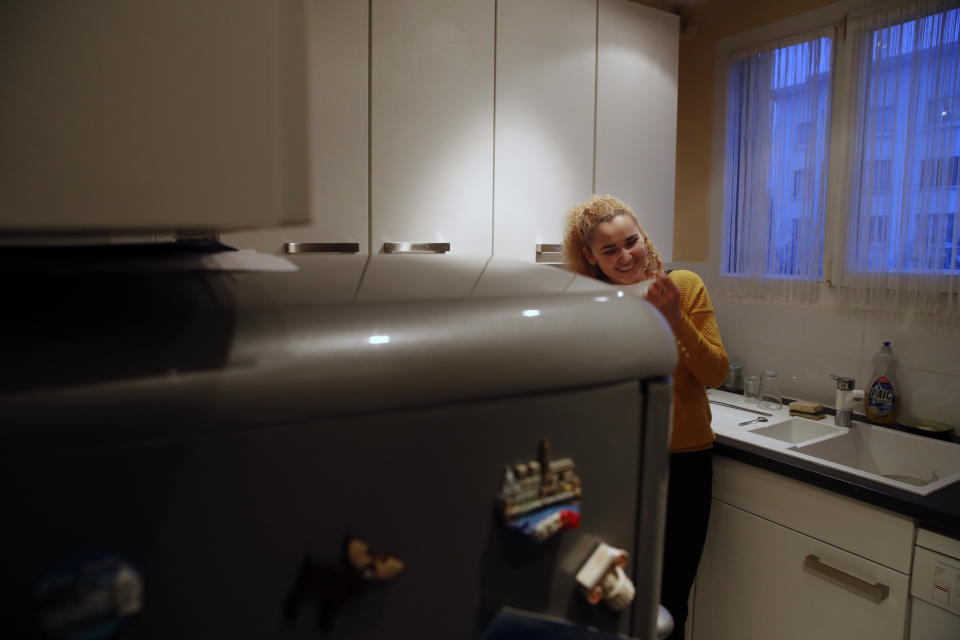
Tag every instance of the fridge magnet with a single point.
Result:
(372, 566)
(602, 577)
(90, 596)
(331, 585)
(540, 498)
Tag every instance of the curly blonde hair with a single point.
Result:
(582, 219)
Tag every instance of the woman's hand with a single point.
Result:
(664, 295)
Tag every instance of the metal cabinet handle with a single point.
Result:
(416, 247)
(550, 253)
(321, 247)
(873, 592)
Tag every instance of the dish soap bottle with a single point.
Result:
(882, 396)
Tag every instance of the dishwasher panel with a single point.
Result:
(935, 588)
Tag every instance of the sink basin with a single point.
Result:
(798, 430)
(917, 464)
(913, 463)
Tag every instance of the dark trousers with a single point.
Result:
(688, 512)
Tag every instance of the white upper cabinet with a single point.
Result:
(152, 116)
(546, 71)
(637, 113)
(470, 122)
(431, 123)
(338, 50)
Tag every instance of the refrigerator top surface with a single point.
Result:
(339, 335)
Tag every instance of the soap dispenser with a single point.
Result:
(883, 401)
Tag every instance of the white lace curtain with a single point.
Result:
(775, 167)
(900, 206)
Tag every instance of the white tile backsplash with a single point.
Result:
(917, 341)
(928, 395)
(802, 373)
(806, 328)
(806, 345)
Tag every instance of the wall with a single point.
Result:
(804, 343)
(807, 343)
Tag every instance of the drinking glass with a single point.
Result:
(734, 381)
(770, 391)
(751, 389)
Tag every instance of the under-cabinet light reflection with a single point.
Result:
(601, 299)
(531, 313)
(379, 339)
(619, 294)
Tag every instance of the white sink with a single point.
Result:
(798, 430)
(916, 464)
(912, 463)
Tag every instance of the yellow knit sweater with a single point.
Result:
(702, 362)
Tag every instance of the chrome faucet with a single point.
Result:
(847, 398)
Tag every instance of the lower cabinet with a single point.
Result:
(761, 579)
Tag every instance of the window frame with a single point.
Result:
(838, 153)
(797, 187)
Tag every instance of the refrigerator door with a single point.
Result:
(215, 500)
(224, 529)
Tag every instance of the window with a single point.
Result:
(943, 111)
(804, 183)
(893, 179)
(778, 115)
(939, 172)
(878, 176)
(900, 243)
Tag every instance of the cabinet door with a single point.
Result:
(546, 62)
(638, 51)
(753, 583)
(338, 33)
(869, 531)
(152, 116)
(431, 123)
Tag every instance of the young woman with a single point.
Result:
(603, 239)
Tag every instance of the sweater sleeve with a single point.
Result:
(700, 348)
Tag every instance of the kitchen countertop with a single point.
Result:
(938, 511)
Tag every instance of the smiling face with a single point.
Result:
(618, 248)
